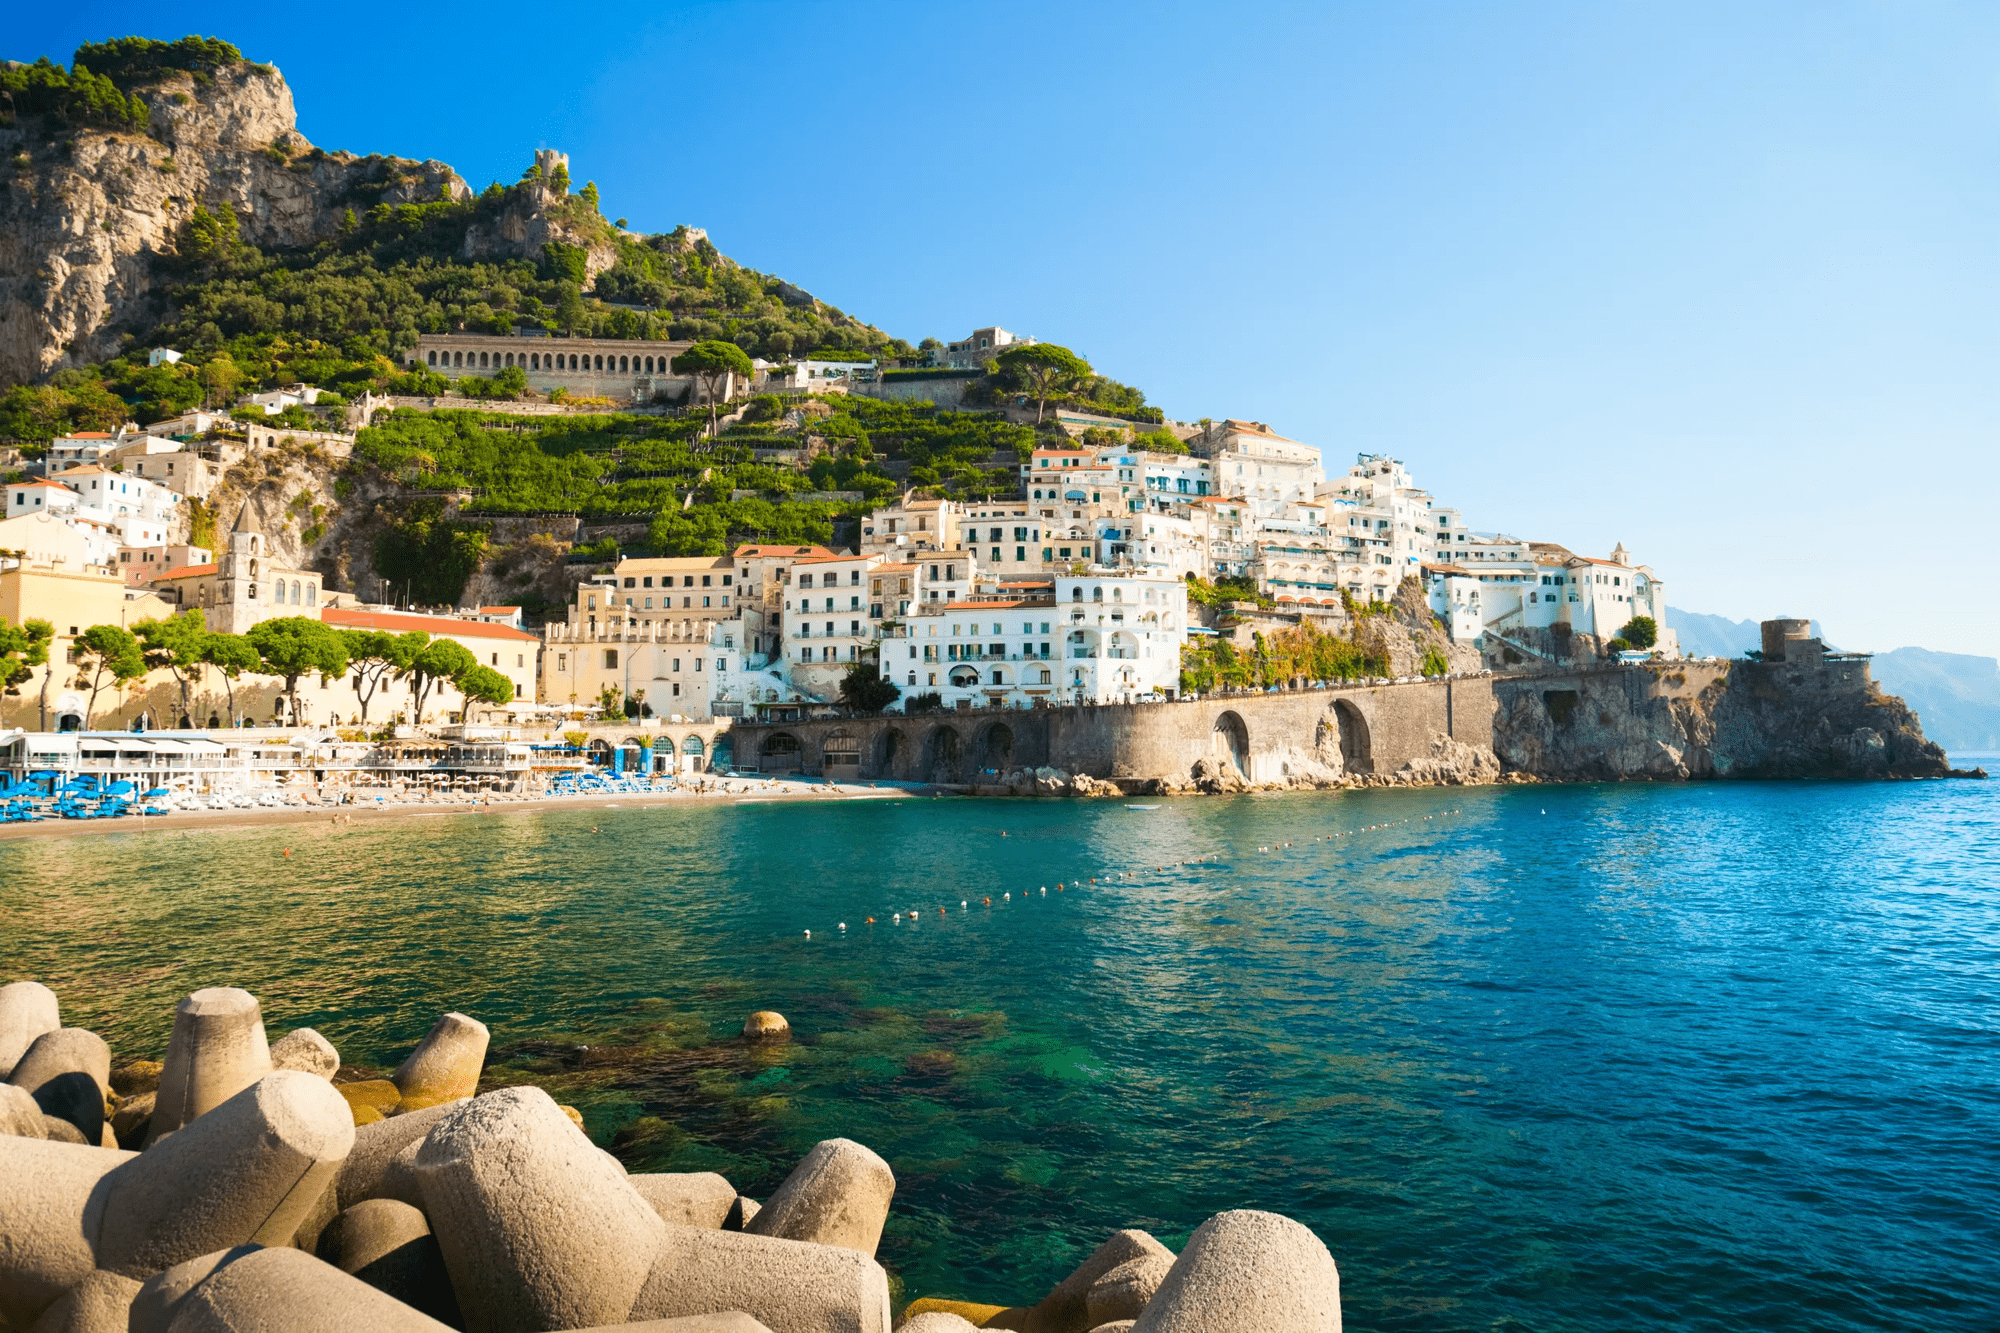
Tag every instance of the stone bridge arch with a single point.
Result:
(780, 753)
(994, 749)
(1229, 742)
(1357, 745)
(943, 756)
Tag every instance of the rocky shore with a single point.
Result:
(239, 1185)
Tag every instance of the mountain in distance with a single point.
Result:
(1716, 636)
(1956, 695)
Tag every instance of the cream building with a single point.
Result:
(245, 586)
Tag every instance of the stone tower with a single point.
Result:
(239, 586)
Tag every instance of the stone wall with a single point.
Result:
(1291, 738)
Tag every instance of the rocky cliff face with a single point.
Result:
(1728, 720)
(84, 213)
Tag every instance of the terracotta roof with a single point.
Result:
(497, 610)
(88, 435)
(823, 559)
(747, 550)
(186, 572)
(895, 569)
(83, 470)
(1446, 569)
(29, 485)
(403, 623)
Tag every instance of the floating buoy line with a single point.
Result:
(915, 914)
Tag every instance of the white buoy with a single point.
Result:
(1045, 890)
(897, 917)
(1006, 897)
(961, 904)
(843, 925)
(809, 934)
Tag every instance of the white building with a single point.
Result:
(1254, 463)
(981, 346)
(142, 511)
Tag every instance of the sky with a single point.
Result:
(1716, 280)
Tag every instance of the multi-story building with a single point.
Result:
(911, 528)
(1547, 587)
(1003, 537)
(1254, 463)
(142, 511)
(142, 564)
(831, 621)
(1104, 637)
(981, 346)
(514, 653)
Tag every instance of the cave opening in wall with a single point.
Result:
(1229, 741)
(1356, 751)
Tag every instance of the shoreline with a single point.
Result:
(743, 791)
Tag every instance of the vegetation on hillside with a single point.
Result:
(1301, 653)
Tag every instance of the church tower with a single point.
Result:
(240, 586)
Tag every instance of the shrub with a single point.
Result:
(1641, 632)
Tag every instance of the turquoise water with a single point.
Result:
(1635, 1057)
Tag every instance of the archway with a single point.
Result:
(942, 759)
(840, 756)
(996, 748)
(891, 753)
(723, 756)
(780, 753)
(691, 754)
(1355, 751)
(1229, 742)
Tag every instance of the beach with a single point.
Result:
(723, 791)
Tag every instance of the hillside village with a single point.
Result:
(311, 440)
(1107, 572)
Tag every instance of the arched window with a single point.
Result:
(295, 592)
(312, 594)
(649, 365)
(622, 365)
(600, 364)
(572, 363)
(1097, 594)
(692, 745)
(1076, 594)
(534, 360)
(510, 358)
(433, 356)
(458, 358)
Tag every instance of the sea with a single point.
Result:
(1639, 1056)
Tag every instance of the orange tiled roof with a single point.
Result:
(403, 623)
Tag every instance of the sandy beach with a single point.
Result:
(730, 791)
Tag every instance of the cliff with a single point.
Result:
(1807, 719)
(87, 210)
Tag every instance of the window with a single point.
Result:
(705, 580)
(496, 659)
(805, 580)
(610, 657)
(520, 659)
(562, 661)
(630, 583)
(648, 583)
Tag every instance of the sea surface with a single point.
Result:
(1687, 1057)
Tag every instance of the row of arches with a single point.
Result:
(550, 362)
(943, 752)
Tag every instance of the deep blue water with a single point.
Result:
(1640, 1057)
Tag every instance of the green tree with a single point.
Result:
(292, 646)
(180, 645)
(106, 655)
(232, 655)
(24, 647)
(712, 361)
(1641, 632)
(865, 689)
(589, 195)
(375, 655)
(1045, 370)
(482, 684)
(438, 660)
(220, 378)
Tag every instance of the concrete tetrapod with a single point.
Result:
(376, 1145)
(76, 1099)
(838, 1195)
(699, 1199)
(939, 1321)
(539, 1230)
(305, 1050)
(792, 1286)
(101, 1303)
(1066, 1308)
(251, 1170)
(217, 1050)
(388, 1244)
(729, 1321)
(1123, 1292)
(65, 1051)
(27, 1010)
(51, 1207)
(19, 1112)
(287, 1291)
(1247, 1272)
(446, 1064)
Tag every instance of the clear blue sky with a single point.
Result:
(1716, 280)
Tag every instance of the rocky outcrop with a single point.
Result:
(85, 213)
(1810, 719)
